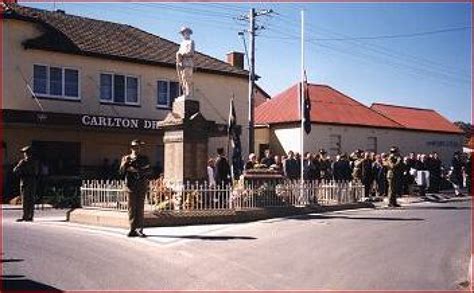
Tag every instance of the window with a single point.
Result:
(335, 144)
(40, 79)
(71, 78)
(167, 92)
(372, 144)
(55, 82)
(118, 88)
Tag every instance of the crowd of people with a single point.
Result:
(369, 168)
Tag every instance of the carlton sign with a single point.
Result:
(119, 122)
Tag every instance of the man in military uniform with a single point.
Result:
(136, 168)
(28, 170)
(357, 165)
(394, 166)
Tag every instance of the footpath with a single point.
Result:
(119, 219)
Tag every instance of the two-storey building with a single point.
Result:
(79, 89)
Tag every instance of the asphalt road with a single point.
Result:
(423, 246)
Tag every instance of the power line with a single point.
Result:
(397, 54)
(399, 36)
(431, 68)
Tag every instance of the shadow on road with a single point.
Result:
(204, 237)
(20, 283)
(12, 276)
(436, 208)
(14, 284)
(11, 260)
(325, 217)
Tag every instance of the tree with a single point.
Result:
(466, 128)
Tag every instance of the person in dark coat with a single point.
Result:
(27, 170)
(338, 169)
(268, 160)
(136, 169)
(310, 170)
(435, 172)
(457, 166)
(222, 174)
(379, 172)
(366, 174)
(291, 167)
(324, 165)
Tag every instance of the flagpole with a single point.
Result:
(228, 140)
(301, 99)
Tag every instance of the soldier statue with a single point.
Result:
(28, 170)
(394, 166)
(136, 168)
(185, 62)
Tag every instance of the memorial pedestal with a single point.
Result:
(186, 134)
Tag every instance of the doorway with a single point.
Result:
(58, 158)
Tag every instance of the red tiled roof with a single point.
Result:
(416, 118)
(327, 106)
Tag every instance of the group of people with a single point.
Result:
(386, 174)
(371, 169)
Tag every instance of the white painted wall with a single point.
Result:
(357, 137)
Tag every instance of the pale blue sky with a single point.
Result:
(422, 60)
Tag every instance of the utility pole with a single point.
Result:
(252, 81)
(253, 28)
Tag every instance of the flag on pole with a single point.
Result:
(306, 106)
(232, 118)
(234, 135)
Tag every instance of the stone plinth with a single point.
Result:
(186, 134)
(185, 108)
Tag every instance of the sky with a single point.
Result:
(409, 54)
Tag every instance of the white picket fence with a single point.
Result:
(101, 194)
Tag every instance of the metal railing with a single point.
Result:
(163, 196)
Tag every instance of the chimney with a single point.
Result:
(236, 59)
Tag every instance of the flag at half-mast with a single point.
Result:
(306, 106)
(234, 135)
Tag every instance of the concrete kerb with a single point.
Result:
(183, 218)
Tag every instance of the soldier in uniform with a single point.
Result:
(28, 170)
(136, 168)
(394, 166)
(357, 165)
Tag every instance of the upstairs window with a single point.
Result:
(55, 82)
(119, 89)
(167, 92)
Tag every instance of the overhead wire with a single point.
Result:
(450, 74)
(425, 66)
(397, 54)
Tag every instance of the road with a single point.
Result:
(424, 246)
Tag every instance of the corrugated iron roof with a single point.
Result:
(417, 118)
(328, 106)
